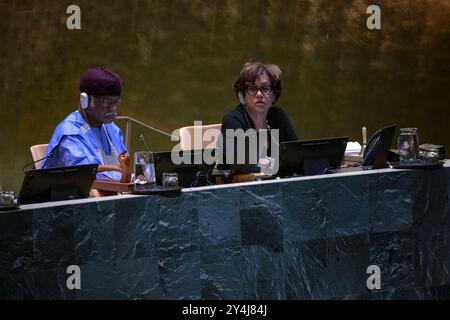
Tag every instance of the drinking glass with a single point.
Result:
(170, 180)
(6, 198)
(144, 170)
(408, 145)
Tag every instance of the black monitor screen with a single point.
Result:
(377, 151)
(55, 184)
(191, 173)
(311, 157)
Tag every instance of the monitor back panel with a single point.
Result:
(55, 184)
(188, 173)
(326, 152)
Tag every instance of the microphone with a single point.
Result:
(49, 156)
(141, 138)
(364, 137)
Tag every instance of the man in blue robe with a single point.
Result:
(89, 135)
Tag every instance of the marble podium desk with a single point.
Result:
(297, 238)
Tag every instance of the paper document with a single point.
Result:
(353, 147)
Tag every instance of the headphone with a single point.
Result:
(241, 98)
(84, 100)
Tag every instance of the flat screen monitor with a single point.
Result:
(192, 173)
(247, 149)
(376, 152)
(311, 157)
(56, 184)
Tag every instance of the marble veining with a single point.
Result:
(292, 239)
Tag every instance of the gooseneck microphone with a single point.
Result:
(141, 137)
(49, 156)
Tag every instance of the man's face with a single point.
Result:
(103, 109)
(259, 96)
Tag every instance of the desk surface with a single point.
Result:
(345, 173)
(296, 238)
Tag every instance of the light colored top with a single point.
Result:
(74, 142)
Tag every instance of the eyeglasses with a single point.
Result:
(109, 102)
(253, 90)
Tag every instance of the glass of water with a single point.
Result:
(144, 170)
(170, 180)
(408, 145)
(6, 198)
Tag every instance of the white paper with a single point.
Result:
(353, 148)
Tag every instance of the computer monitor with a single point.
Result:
(311, 157)
(242, 150)
(192, 174)
(377, 150)
(56, 184)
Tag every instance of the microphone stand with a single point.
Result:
(141, 138)
(49, 156)
(129, 121)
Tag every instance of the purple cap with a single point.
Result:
(101, 82)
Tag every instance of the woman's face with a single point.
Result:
(259, 96)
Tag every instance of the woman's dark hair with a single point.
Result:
(251, 71)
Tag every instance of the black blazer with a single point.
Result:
(238, 118)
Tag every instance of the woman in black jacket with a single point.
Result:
(257, 88)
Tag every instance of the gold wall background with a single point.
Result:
(178, 59)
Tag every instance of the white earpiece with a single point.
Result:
(84, 100)
(241, 98)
